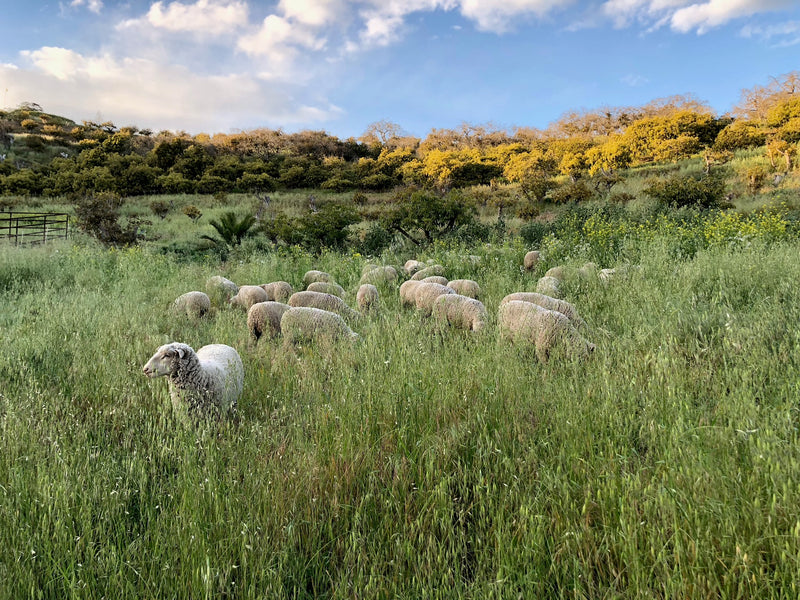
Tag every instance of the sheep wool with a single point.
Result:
(428, 271)
(327, 302)
(426, 293)
(277, 291)
(548, 302)
(549, 286)
(303, 324)
(264, 318)
(367, 298)
(313, 275)
(407, 292)
(461, 312)
(606, 275)
(220, 290)
(435, 279)
(547, 330)
(466, 287)
(326, 287)
(193, 304)
(557, 272)
(588, 272)
(380, 275)
(531, 260)
(206, 383)
(247, 296)
(412, 266)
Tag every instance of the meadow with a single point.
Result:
(417, 463)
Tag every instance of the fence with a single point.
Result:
(33, 228)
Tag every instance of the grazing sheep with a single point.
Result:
(247, 296)
(588, 272)
(327, 302)
(549, 286)
(606, 275)
(367, 298)
(193, 304)
(460, 311)
(435, 279)
(466, 287)
(220, 290)
(305, 323)
(549, 303)
(326, 287)
(531, 260)
(265, 318)
(277, 291)
(557, 272)
(407, 292)
(426, 293)
(312, 276)
(380, 275)
(412, 266)
(206, 383)
(428, 271)
(368, 267)
(547, 330)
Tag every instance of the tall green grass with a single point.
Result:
(416, 463)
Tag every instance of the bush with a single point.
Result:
(327, 228)
(375, 240)
(99, 216)
(192, 212)
(160, 208)
(576, 191)
(533, 233)
(422, 216)
(678, 191)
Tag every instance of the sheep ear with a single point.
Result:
(180, 352)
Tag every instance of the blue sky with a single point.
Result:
(339, 65)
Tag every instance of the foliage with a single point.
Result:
(678, 191)
(160, 208)
(422, 216)
(231, 229)
(99, 216)
(191, 211)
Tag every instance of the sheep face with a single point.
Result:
(165, 360)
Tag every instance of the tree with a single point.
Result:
(231, 229)
(99, 216)
(422, 216)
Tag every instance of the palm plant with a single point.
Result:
(231, 229)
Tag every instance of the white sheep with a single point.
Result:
(428, 271)
(606, 275)
(461, 312)
(549, 286)
(265, 318)
(327, 302)
(220, 290)
(367, 297)
(193, 304)
(314, 275)
(278, 291)
(531, 260)
(301, 324)
(247, 296)
(326, 287)
(466, 287)
(206, 383)
(549, 303)
(412, 266)
(558, 272)
(435, 279)
(426, 293)
(547, 330)
(407, 292)
(380, 275)
(588, 272)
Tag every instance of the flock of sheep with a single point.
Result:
(208, 382)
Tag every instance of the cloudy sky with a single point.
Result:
(339, 65)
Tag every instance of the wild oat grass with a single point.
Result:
(413, 464)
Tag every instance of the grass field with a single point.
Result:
(417, 463)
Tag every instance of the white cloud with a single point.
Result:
(148, 93)
(312, 12)
(211, 17)
(634, 80)
(499, 15)
(94, 6)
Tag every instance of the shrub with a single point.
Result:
(533, 233)
(160, 208)
(192, 212)
(576, 191)
(327, 228)
(99, 216)
(678, 191)
(360, 198)
(231, 229)
(375, 240)
(422, 216)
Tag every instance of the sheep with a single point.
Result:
(277, 291)
(206, 383)
(547, 330)
(247, 296)
(549, 303)
(606, 275)
(466, 287)
(557, 272)
(407, 292)
(460, 311)
(327, 302)
(435, 279)
(368, 267)
(412, 266)
(426, 293)
(379, 275)
(367, 297)
(305, 323)
(193, 304)
(220, 290)
(427, 272)
(265, 318)
(588, 271)
(313, 275)
(549, 286)
(326, 287)
(531, 260)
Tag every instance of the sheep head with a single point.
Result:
(166, 359)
